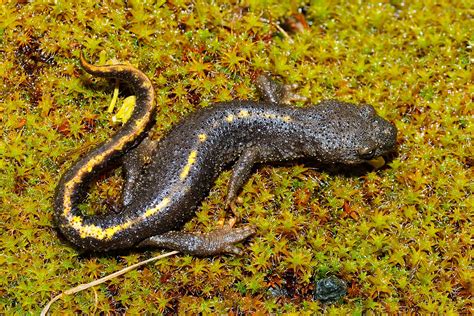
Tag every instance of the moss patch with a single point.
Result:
(399, 236)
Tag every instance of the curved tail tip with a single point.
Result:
(84, 63)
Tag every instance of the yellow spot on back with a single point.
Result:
(243, 113)
(269, 115)
(229, 118)
(191, 160)
(202, 137)
(287, 118)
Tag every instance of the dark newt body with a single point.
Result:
(165, 181)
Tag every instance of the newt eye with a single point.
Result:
(367, 153)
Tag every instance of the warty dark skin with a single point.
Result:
(166, 180)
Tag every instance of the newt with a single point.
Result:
(166, 180)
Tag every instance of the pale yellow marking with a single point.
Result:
(141, 123)
(229, 118)
(191, 160)
(146, 84)
(243, 113)
(157, 208)
(202, 137)
(274, 116)
(107, 233)
(269, 115)
(76, 220)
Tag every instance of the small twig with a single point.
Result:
(285, 34)
(102, 280)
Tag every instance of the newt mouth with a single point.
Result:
(377, 163)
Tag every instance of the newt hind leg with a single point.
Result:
(217, 242)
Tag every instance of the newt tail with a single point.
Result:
(74, 183)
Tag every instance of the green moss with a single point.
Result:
(400, 236)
